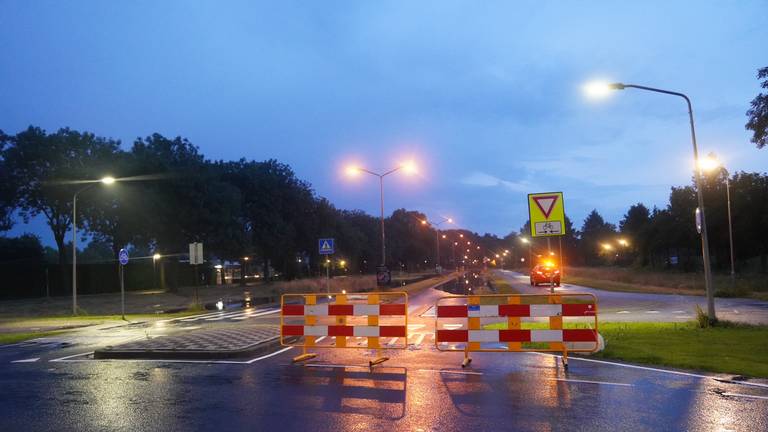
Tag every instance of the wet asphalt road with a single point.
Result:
(417, 389)
(622, 306)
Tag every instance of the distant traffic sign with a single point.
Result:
(325, 246)
(196, 253)
(547, 214)
(122, 256)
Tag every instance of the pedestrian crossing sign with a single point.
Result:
(325, 245)
(547, 214)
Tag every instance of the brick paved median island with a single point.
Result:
(201, 344)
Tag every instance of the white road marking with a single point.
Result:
(419, 339)
(652, 369)
(67, 358)
(452, 326)
(253, 315)
(652, 312)
(446, 371)
(415, 326)
(71, 359)
(622, 312)
(30, 360)
(745, 396)
(185, 318)
(429, 312)
(591, 382)
(679, 311)
(392, 341)
(190, 328)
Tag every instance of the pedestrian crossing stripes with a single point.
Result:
(236, 315)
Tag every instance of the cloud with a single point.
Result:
(486, 180)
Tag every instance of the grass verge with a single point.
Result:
(12, 338)
(728, 348)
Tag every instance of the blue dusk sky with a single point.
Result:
(485, 96)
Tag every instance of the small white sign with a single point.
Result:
(196, 253)
(548, 228)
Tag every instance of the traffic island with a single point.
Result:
(198, 345)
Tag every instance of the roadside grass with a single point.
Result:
(665, 282)
(729, 348)
(12, 338)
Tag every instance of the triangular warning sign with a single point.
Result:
(545, 203)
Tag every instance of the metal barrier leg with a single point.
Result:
(378, 360)
(467, 359)
(565, 357)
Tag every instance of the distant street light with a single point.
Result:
(525, 240)
(108, 180)
(602, 89)
(710, 163)
(623, 242)
(408, 167)
(437, 236)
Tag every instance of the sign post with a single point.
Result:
(547, 215)
(122, 257)
(195, 259)
(326, 247)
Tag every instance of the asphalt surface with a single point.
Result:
(623, 306)
(54, 385)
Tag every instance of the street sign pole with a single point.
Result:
(551, 274)
(122, 258)
(122, 291)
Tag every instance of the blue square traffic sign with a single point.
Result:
(325, 246)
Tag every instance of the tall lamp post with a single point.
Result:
(408, 168)
(437, 237)
(711, 163)
(106, 181)
(525, 240)
(602, 89)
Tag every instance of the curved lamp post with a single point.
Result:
(603, 89)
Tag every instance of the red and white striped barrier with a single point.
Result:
(568, 335)
(340, 330)
(516, 310)
(305, 323)
(468, 323)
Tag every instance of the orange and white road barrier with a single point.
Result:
(359, 320)
(497, 323)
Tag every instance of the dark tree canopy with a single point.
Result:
(758, 113)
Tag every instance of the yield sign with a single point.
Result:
(547, 214)
(545, 203)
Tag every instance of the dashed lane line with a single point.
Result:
(30, 360)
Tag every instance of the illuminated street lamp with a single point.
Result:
(525, 240)
(606, 246)
(437, 236)
(408, 167)
(710, 163)
(602, 89)
(623, 242)
(108, 180)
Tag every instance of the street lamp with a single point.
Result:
(437, 237)
(601, 89)
(408, 167)
(711, 163)
(108, 180)
(525, 240)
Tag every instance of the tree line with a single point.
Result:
(167, 195)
